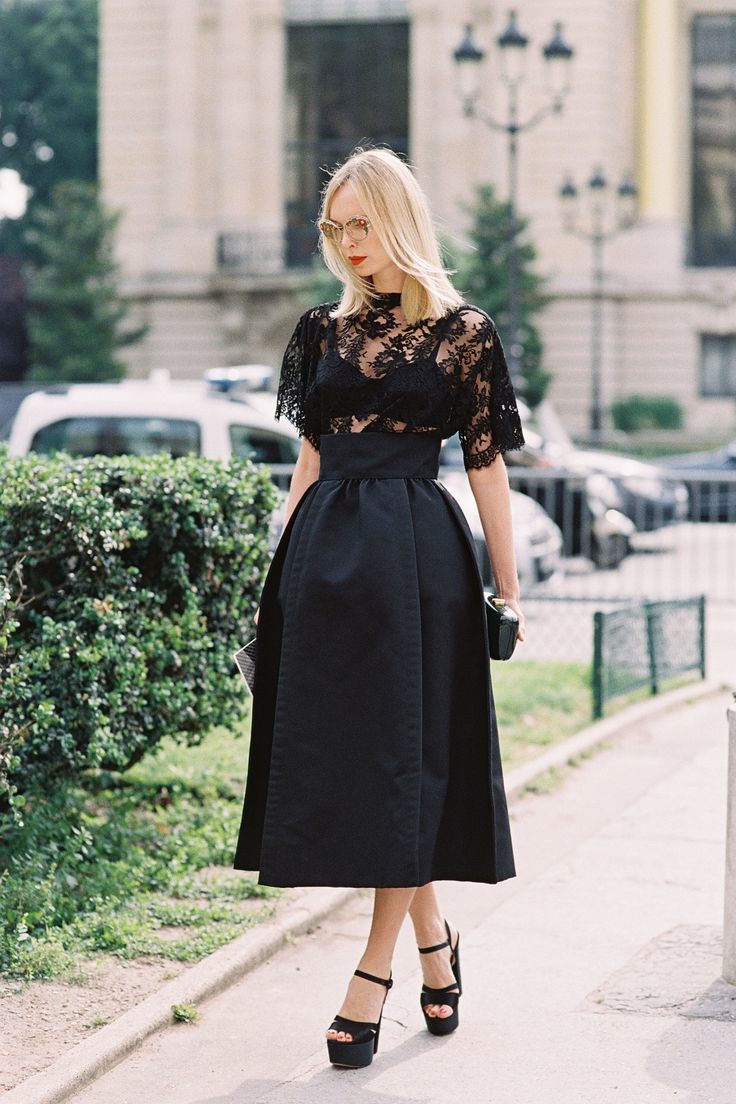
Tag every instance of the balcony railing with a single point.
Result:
(265, 252)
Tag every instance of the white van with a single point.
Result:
(141, 417)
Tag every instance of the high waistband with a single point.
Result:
(379, 455)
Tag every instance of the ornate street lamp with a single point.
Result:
(513, 45)
(599, 230)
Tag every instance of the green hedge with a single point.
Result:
(637, 412)
(125, 584)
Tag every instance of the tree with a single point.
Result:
(482, 275)
(48, 99)
(74, 309)
(322, 286)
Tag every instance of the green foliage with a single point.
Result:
(129, 866)
(185, 1013)
(129, 581)
(637, 412)
(483, 277)
(322, 286)
(539, 703)
(48, 99)
(75, 312)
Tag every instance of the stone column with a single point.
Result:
(660, 84)
(181, 108)
(729, 919)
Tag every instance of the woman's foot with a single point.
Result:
(436, 968)
(363, 1000)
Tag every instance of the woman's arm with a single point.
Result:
(490, 487)
(306, 470)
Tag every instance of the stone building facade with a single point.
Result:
(216, 116)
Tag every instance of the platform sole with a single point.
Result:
(351, 1055)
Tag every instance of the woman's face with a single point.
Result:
(368, 257)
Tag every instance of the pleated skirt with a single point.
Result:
(374, 753)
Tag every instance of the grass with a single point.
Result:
(185, 1013)
(538, 704)
(133, 865)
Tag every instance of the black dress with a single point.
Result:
(374, 756)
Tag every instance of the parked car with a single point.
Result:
(647, 494)
(141, 417)
(711, 498)
(649, 497)
(585, 505)
(185, 417)
(537, 540)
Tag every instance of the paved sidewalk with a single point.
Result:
(591, 978)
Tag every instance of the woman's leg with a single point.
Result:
(429, 928)
(364, 998)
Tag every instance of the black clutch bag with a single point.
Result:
(245, 659)
(503, 626)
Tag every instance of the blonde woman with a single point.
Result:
(374, 757)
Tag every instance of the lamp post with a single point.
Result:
(512, 46)
(597, 233)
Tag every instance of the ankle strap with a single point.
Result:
(437, 947)
(388, 982)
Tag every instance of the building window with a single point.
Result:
(714, 140)
(718, 365)
(348, 84)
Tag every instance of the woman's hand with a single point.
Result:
(513, 603)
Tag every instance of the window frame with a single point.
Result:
(726, 387)
(706, 248)
(308, 159)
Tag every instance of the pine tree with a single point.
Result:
(482, 275)
(75, 312)
(48, 100)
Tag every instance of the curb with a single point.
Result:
(93, 1057)
(87, 1061)
(588, 738)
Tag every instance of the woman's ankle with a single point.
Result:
(429, 931)
(376, 963)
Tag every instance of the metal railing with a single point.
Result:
(251, 252)
(644, 644)
(676, 545)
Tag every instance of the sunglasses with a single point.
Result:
(357, 228)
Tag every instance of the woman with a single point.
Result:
(374, 757)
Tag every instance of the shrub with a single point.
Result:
(126, 583)
(104, 862)
(636, 412)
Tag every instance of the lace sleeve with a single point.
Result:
(491, 422)
(294, 394)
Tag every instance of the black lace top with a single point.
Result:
(374, 372)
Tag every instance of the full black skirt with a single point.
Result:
(374, 756)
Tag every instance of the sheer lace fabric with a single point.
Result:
(376, 373)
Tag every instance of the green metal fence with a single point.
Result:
(645, 643)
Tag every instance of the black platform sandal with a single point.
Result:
(443, 1025)
(359, 1051)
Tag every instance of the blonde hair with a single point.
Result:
(398, 211)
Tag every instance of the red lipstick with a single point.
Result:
(356, 260)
